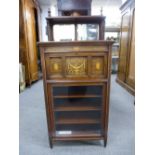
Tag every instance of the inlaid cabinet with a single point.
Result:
(76, 74)
(77, 89)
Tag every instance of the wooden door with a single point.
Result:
(124, 45)
(31, 39)
(131, 60)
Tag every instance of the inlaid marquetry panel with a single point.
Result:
(76, 66)
(97, 66)
(54, 67)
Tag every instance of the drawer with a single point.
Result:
(73, 66)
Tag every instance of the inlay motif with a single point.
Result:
(76, 66)
(55, 65)
(97, 65)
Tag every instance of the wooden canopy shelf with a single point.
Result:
(51, 21)
(75, 19)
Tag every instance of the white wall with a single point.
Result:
(112, 13)
(123, 1)
(44, 14)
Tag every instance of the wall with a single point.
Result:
(44, 14)
(112, 13)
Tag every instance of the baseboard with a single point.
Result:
(127, 87)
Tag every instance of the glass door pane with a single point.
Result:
(78, 110)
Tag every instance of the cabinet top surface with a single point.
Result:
(73, 19)
(74, 43)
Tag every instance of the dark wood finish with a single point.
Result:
(77, 108)
(76, 97)
(76, 32)
(81, 134)
(130, 80)
(27, 39)
(69, 7)
(77, 20)
(51, 21)
(77, 121)
(126, 86)
(126, 67)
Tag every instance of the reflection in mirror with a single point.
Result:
(64, 32)
(87, 32)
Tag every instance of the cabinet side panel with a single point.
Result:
(123, 46)
(131, 65)
(31, 39)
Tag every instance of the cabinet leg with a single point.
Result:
(105, 142)
(51, 143)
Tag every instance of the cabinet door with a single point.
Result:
(31, 40)
(124, 45)
(131, 62)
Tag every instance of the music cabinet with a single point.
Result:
(77, 85)
(76, 77)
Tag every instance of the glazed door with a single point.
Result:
(78, 110)
(31, 40)
(124, 46)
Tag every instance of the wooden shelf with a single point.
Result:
(77, 96)
(78, 133)
(77, 108)
(77, 121)
(112, 29)
(76, 19)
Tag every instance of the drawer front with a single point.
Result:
(72, 66)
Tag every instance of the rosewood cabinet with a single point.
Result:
(126, 67)
(76, 79)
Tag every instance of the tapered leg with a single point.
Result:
(105, 141)
(51, 143)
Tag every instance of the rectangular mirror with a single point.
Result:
(87, 32)
(84, 32)
(64, 32)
